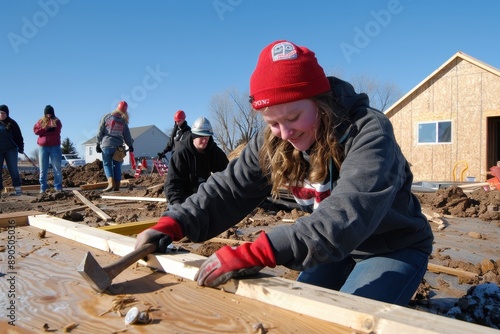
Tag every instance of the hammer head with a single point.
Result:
(94, 274)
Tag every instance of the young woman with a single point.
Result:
(365, 235)
(113, 132)
(48, 129)
(11, 143)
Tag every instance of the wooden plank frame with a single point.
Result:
(16, 218)
(360, 314)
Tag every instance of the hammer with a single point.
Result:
(100, 278)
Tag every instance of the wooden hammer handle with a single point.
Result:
(126, 261)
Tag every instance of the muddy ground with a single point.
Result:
(466, 227)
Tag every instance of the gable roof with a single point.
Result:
(134, 132)
(457, 55)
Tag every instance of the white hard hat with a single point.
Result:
(202, 127)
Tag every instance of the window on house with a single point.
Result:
(90, 150)
(434, 132)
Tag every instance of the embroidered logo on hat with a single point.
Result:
(283, 51)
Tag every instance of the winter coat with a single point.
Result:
(113, 131)
(178, 134)
(10, 135)
(189, 168)
(370, 210)
(50, 135)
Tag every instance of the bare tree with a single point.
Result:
(381, 94)
(234, 121)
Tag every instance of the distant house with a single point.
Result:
(448, 126)
(148, 141)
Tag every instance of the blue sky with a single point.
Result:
(82, 57)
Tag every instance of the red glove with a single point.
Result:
(162, 234)
(229, 262)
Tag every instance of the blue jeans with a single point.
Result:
(55, 155)
(10, 157)
(111, 167)
(391, 278)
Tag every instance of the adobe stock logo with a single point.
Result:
(222, 6)
(373, 28)
(31, 27)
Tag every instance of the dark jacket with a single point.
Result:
(371, 209)
(179, 133)
(10, 135)
(189, 168)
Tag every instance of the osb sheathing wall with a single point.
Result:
(464, 93)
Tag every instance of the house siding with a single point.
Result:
(465, 94)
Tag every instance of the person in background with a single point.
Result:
(112, 133)
(192, 162)
(365, 234)
(180, 131)
(11, 143)
(48, 129)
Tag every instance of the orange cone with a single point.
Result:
(144, 163)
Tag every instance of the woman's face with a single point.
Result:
(295, 122)
(3, 115)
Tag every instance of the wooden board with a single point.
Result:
(359, 314)
(102, 185)
(23, 188)
(49, 290)
(94, 208)
(16, 218)
(146, 199)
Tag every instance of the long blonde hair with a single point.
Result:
(121, 114)
(285, 166)
(45, 121)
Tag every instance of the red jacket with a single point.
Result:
(47, 137)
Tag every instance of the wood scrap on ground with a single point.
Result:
(451, 271)
(155, 186)
(102, 185)
(94, 208)
(435, 218)
(23, 188)
(146, 199)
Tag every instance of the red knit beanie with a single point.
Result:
(284, 73)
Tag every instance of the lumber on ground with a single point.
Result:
(100, 185)
(130, 198)
(94, 208)
(451, 271)
(360, 314)
(23, 188)
(14, 219)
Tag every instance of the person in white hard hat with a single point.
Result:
(192, 162)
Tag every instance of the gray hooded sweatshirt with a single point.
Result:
(371, 209)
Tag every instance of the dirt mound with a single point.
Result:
(453, 201)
